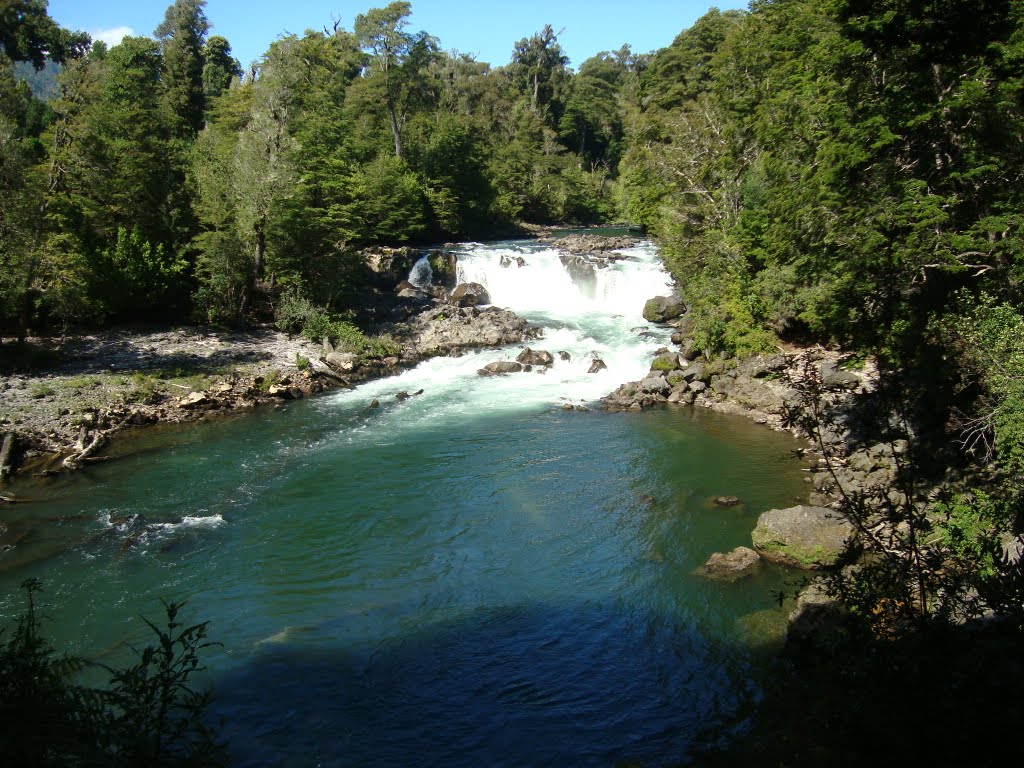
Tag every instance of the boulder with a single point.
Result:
(450, 331)
(500, 367)
(563, 355)
(655, 384)
(661, 309)
(693, 372)
(833, 376)
(726, 501)
(597, 365)
(193, 400)
(680, 395)
(730, 566)
(666, 361)
(538, 357)
(801, 536)
(469, 295)
(443, 268)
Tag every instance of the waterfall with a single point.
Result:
(421, 274)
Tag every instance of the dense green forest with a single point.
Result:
(164, 179)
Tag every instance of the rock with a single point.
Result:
(597, 365)
(802, 536)
(682, 396)
(816, 620)
(500, 367)
(405, 285)
(665, 361)
(693, 372)
(655, 384)
(661, 309)
(688, 350)
(726, 501)
(375, 403)
(563, 355)
(450, 331)
(402, 396)
(193, 400)
(697, 387)
(833, 376)
(539, 357)
(730, 566)
(278, 390)
(443, 268)
(469, 295)
(343, 362)
(590, 244)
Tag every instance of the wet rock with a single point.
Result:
(730, 566)
(538, 357)
(500, 367)
(469, 295)
(801, 536)
(726, 501)
(563, 355)
(597, 366)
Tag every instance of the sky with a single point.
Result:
(488, 30)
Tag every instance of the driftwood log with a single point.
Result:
(91, 442)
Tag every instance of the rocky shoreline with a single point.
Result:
(97, 386)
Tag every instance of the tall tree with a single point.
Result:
(540, 68)
(399, 58)
(219, 67)
(181, 35)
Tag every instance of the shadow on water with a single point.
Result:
(535, 685)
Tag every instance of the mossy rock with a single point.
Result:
(801, 536)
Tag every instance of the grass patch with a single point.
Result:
(39, 391)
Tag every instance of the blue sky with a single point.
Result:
(486, 29)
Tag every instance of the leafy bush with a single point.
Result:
(148, 715)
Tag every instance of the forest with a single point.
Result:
(843, 173)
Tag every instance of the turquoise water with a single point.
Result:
(473, 576)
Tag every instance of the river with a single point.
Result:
(471, 576)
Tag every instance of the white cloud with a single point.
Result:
(112, 36)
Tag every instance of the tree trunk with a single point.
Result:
(5, 455)
(395, 130)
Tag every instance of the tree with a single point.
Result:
(181, 35)
(539, 67)
(219, 68)
(27, 33)
(399, 59)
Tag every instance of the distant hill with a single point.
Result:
(44, 82)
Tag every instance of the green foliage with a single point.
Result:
(297, 314)
(991, 339)
(149, 714)
(301, 362)
(135, 278)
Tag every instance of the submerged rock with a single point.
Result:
(730, 566)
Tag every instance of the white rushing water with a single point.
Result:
(588, 312)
